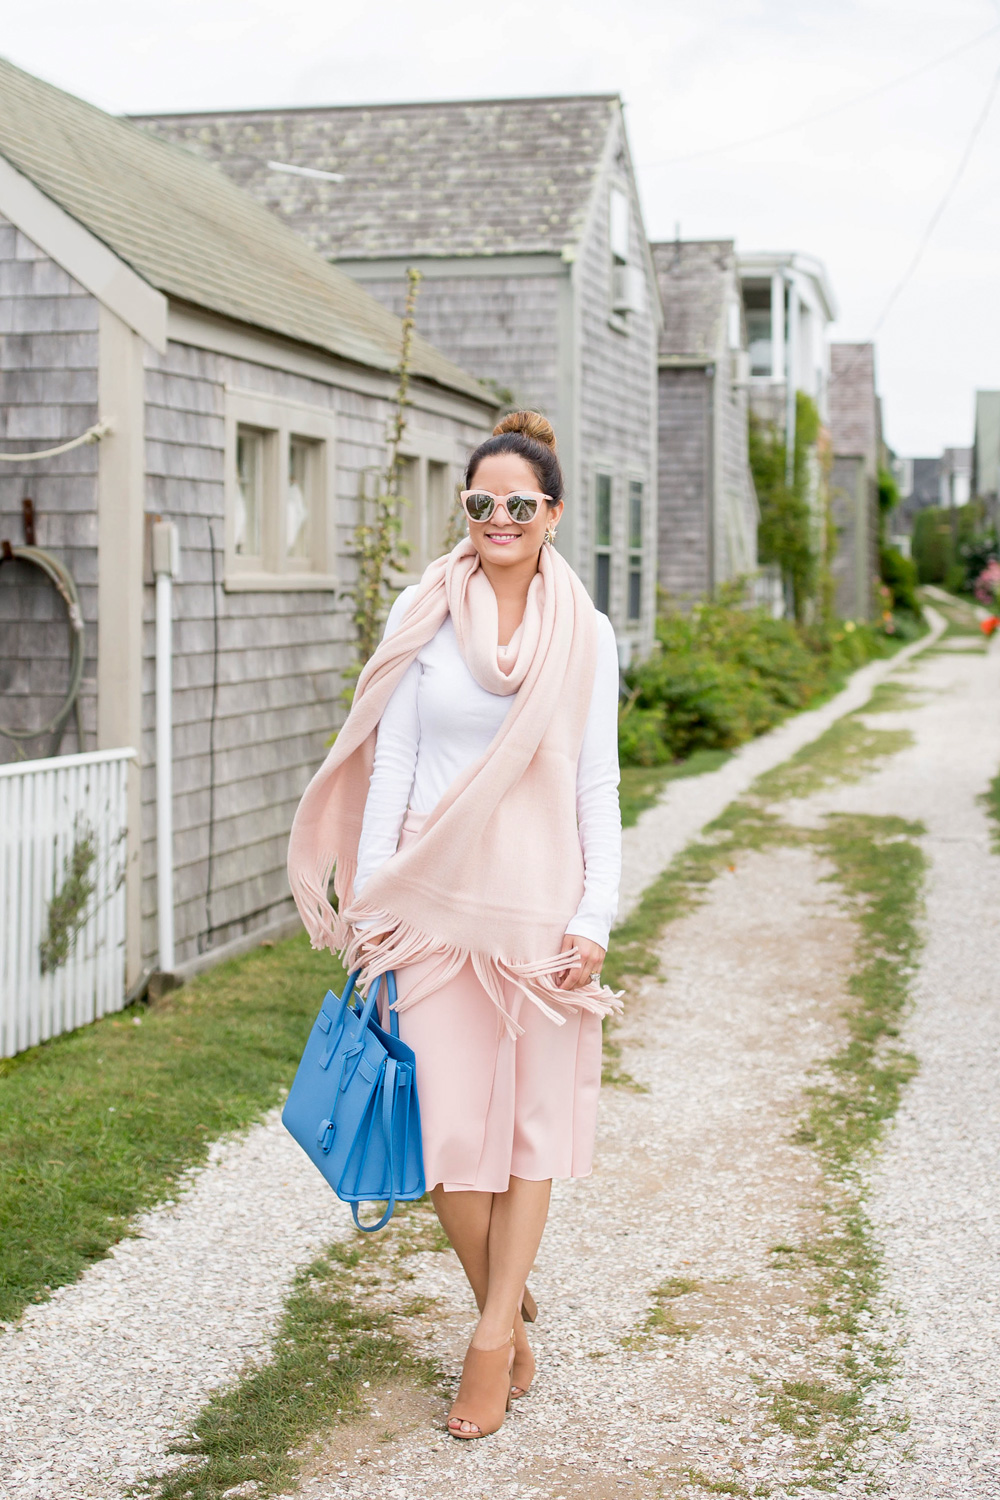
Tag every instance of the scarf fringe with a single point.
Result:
(374, 942)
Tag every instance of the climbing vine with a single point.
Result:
(788, 534)
(68, 907)
(379, 547)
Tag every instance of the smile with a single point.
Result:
(501, 538)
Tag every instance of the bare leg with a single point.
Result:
(465, 1219)
(496, 1238)
(516, 1226)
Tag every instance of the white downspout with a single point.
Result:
(166, 557)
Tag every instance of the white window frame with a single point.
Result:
(280, 421)
(605, 549)
(619, 250)
(425, 448)
(632, 554)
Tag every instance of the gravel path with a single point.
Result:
(936, 1189)
(688, 804)
(696, 1179)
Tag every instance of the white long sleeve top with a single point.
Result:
(439, 720)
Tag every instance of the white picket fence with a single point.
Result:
(62, 894)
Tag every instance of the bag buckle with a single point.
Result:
(325, 1134)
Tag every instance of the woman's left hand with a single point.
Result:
(586, 966)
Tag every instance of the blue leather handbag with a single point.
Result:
(353, 1104)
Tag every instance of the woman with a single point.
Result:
(470, 805)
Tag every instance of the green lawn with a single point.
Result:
(96, 1126)
(642, 785)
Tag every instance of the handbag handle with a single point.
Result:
(388, 1096)
(369, 1005)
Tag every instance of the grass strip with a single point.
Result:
(661, 1320)
(98, 1125)
(847, 751)
(642, 786)
(880, 868)
(336, 1342)
(991, 801)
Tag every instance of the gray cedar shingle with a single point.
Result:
(853, 402)
(693, 277)
(483, 177)
(191, 232)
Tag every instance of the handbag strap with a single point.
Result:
(388, 1097)
(366, 1011)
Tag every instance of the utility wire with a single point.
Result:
(834, 109)
(934, 220)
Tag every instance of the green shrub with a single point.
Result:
(933, 549)
(899, 573)
(722, 674)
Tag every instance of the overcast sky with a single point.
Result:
(856, 189)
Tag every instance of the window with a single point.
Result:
(249, 492)
(302, 498)
(410, 519)
(602, 542)
(619, 225)
(635, 507)
(428, 509)
(279, 506)
(757, 300)
(627, 281)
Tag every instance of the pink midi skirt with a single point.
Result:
(494, 1106)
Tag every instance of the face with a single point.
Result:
(500, 541)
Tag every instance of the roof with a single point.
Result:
(762, 263)
(190, 232)
(695, 280)
(478, 177)
(854, 415)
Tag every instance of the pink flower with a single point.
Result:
(987, 588)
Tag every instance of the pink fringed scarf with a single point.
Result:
(496, 871)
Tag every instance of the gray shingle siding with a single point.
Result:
(442, 184)
(708, 507)
(684, 543)
(503, 329)
(856, 435)
(48, 394)
(281, 654)
(617, 401)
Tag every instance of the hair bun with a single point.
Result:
(531, 423)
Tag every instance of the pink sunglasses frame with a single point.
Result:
(499, 500)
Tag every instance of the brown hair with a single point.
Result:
(530, 436)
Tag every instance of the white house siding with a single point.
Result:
(685, 456)
(280, 653)
(502, 329)
(48, 394)
(617, 406)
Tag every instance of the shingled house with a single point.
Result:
(524, 218)
(708, 510)
(856, 439)
(248, 385)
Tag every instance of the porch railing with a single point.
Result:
(62, 894)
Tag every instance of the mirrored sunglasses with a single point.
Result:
(520, 505)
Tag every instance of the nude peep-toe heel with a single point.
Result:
(522, 1371)
(483, 1398)
(529, 1311)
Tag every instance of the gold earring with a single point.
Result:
(550, 535)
